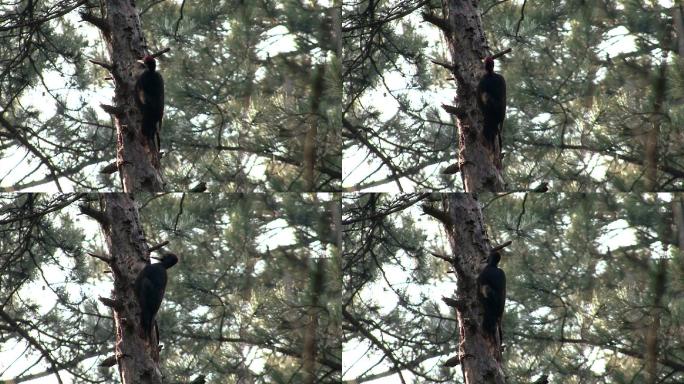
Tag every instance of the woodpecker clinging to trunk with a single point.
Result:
(492, 293)
(491, 98)
(149, 95)
(150, 286)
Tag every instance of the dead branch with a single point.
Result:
(438, 22)
(99, 22)
(437, 214)
(448, 66)
(116, 304)
(501, 246)
(158, 246)
(109, 168)
(496, 56)
(103, 64)
(443, 257)
(163, 51)
(458, 112)
(458, 304)
(452, 362)
(451, 169)
(108, 362)
(106, 259)
(99, 216)
(112, 110)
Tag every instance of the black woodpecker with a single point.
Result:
(491, 98)
(149, 95)
(492, 292)
(149, 289)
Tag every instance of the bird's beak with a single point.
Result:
(140, 61)
(155, 257)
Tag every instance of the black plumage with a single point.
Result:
(149, 95)
(150, 286)
(491, 98)
(492, 292)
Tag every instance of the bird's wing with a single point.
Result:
(481, 95)
(161, 87)
(139, 94)
(503, 97)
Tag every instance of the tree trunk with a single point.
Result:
(309, 145)
(462, 28)
(651, 339)
(137, 359)
(651, 140)
(138, 164)
(309, 351)
(479, 356)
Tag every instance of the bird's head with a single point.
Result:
(149, 62)
(494, 258)
(489, 64)
(168, 260)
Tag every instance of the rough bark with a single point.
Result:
(309, 152)
(462, 28)
(651, 338)
(678, 213)
(651, 139)
(479, 356)
(309, 351)
(138, 165)
(678, 19)
(138, 360)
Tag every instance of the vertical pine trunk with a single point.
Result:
(309, 147)
(462, 28)
(138, 360)
(309, 351)
(651, 140)
(651, 337)
(138, 167)
(479, 356)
